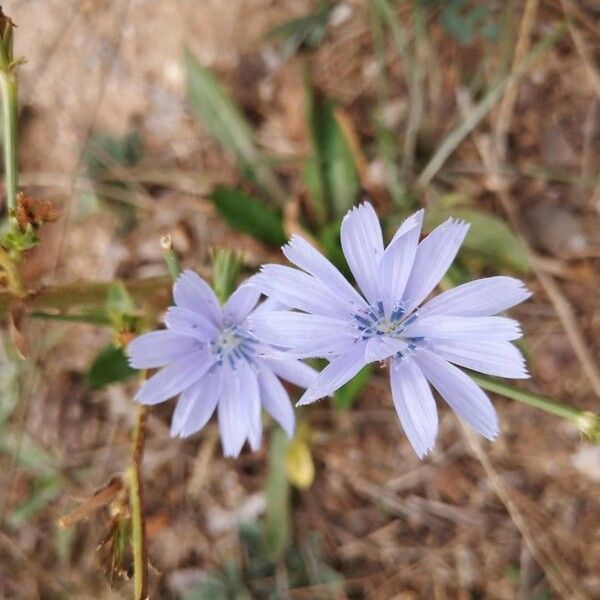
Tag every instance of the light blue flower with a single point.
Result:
(389, 321)
(211, 360)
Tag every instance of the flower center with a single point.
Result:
(373, 321)
(232, 344)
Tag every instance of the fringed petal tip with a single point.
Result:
(424, 453)
(306, 400)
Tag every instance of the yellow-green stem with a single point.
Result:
(9, 93)
(537, 401)
(10, 266)
(136, 504)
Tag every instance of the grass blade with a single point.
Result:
(219, 115)
(455, 137)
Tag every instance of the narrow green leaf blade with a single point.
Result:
(330, 173)
(246, 213)
(218, 114)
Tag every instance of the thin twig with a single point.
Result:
(501, 186)
(415, 82)
(136, 503)
(100, 498)
(582, 47)
(505, 110)
(562, 579)
(455, 137)
(569, 321)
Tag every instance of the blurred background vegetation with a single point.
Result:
(234, 125)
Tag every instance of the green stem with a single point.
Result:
(171, 257)
(136, 503)
(13, 278)
(9, 93)
(541, 402)
(87, 294)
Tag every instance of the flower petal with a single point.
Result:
(270, 304)
(481, 297)
(186, 322)
(362, 244)
(397, 262)
(197, 404)
(160, 348)
(335, 374)
(192, 292)
(233, 421)
(294, 371)
(241, 303)
(433, 258)
(460, 392)
(275, 400)
(414, 404)
(175, 378)
(501, 359)
(299, 252)
(378, 348)
(415, 220)
(250, 391)
(309, 335)
(474, 329)
(297, 289)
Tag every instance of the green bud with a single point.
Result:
(226, 266)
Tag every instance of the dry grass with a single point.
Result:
(516, 519)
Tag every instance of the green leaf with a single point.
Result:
(99, 317)
(110, 366)
(218, 114)
(104, 151)
(19, 241)
(347, 395)
(489, 239)
(246, 213)
(304, 32)
(277, 521)
(330, 173)
(119, 300)
(226, 267)
(121, 308)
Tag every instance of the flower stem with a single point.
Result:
(541, 402)
(136, 503)
(10, 267)
(9, 94)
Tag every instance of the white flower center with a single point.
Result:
(373, 322)
(233, 344)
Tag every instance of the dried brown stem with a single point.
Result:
(100, 498)
(136, 503)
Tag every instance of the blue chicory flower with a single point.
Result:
(389, 323)
(211, 360)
